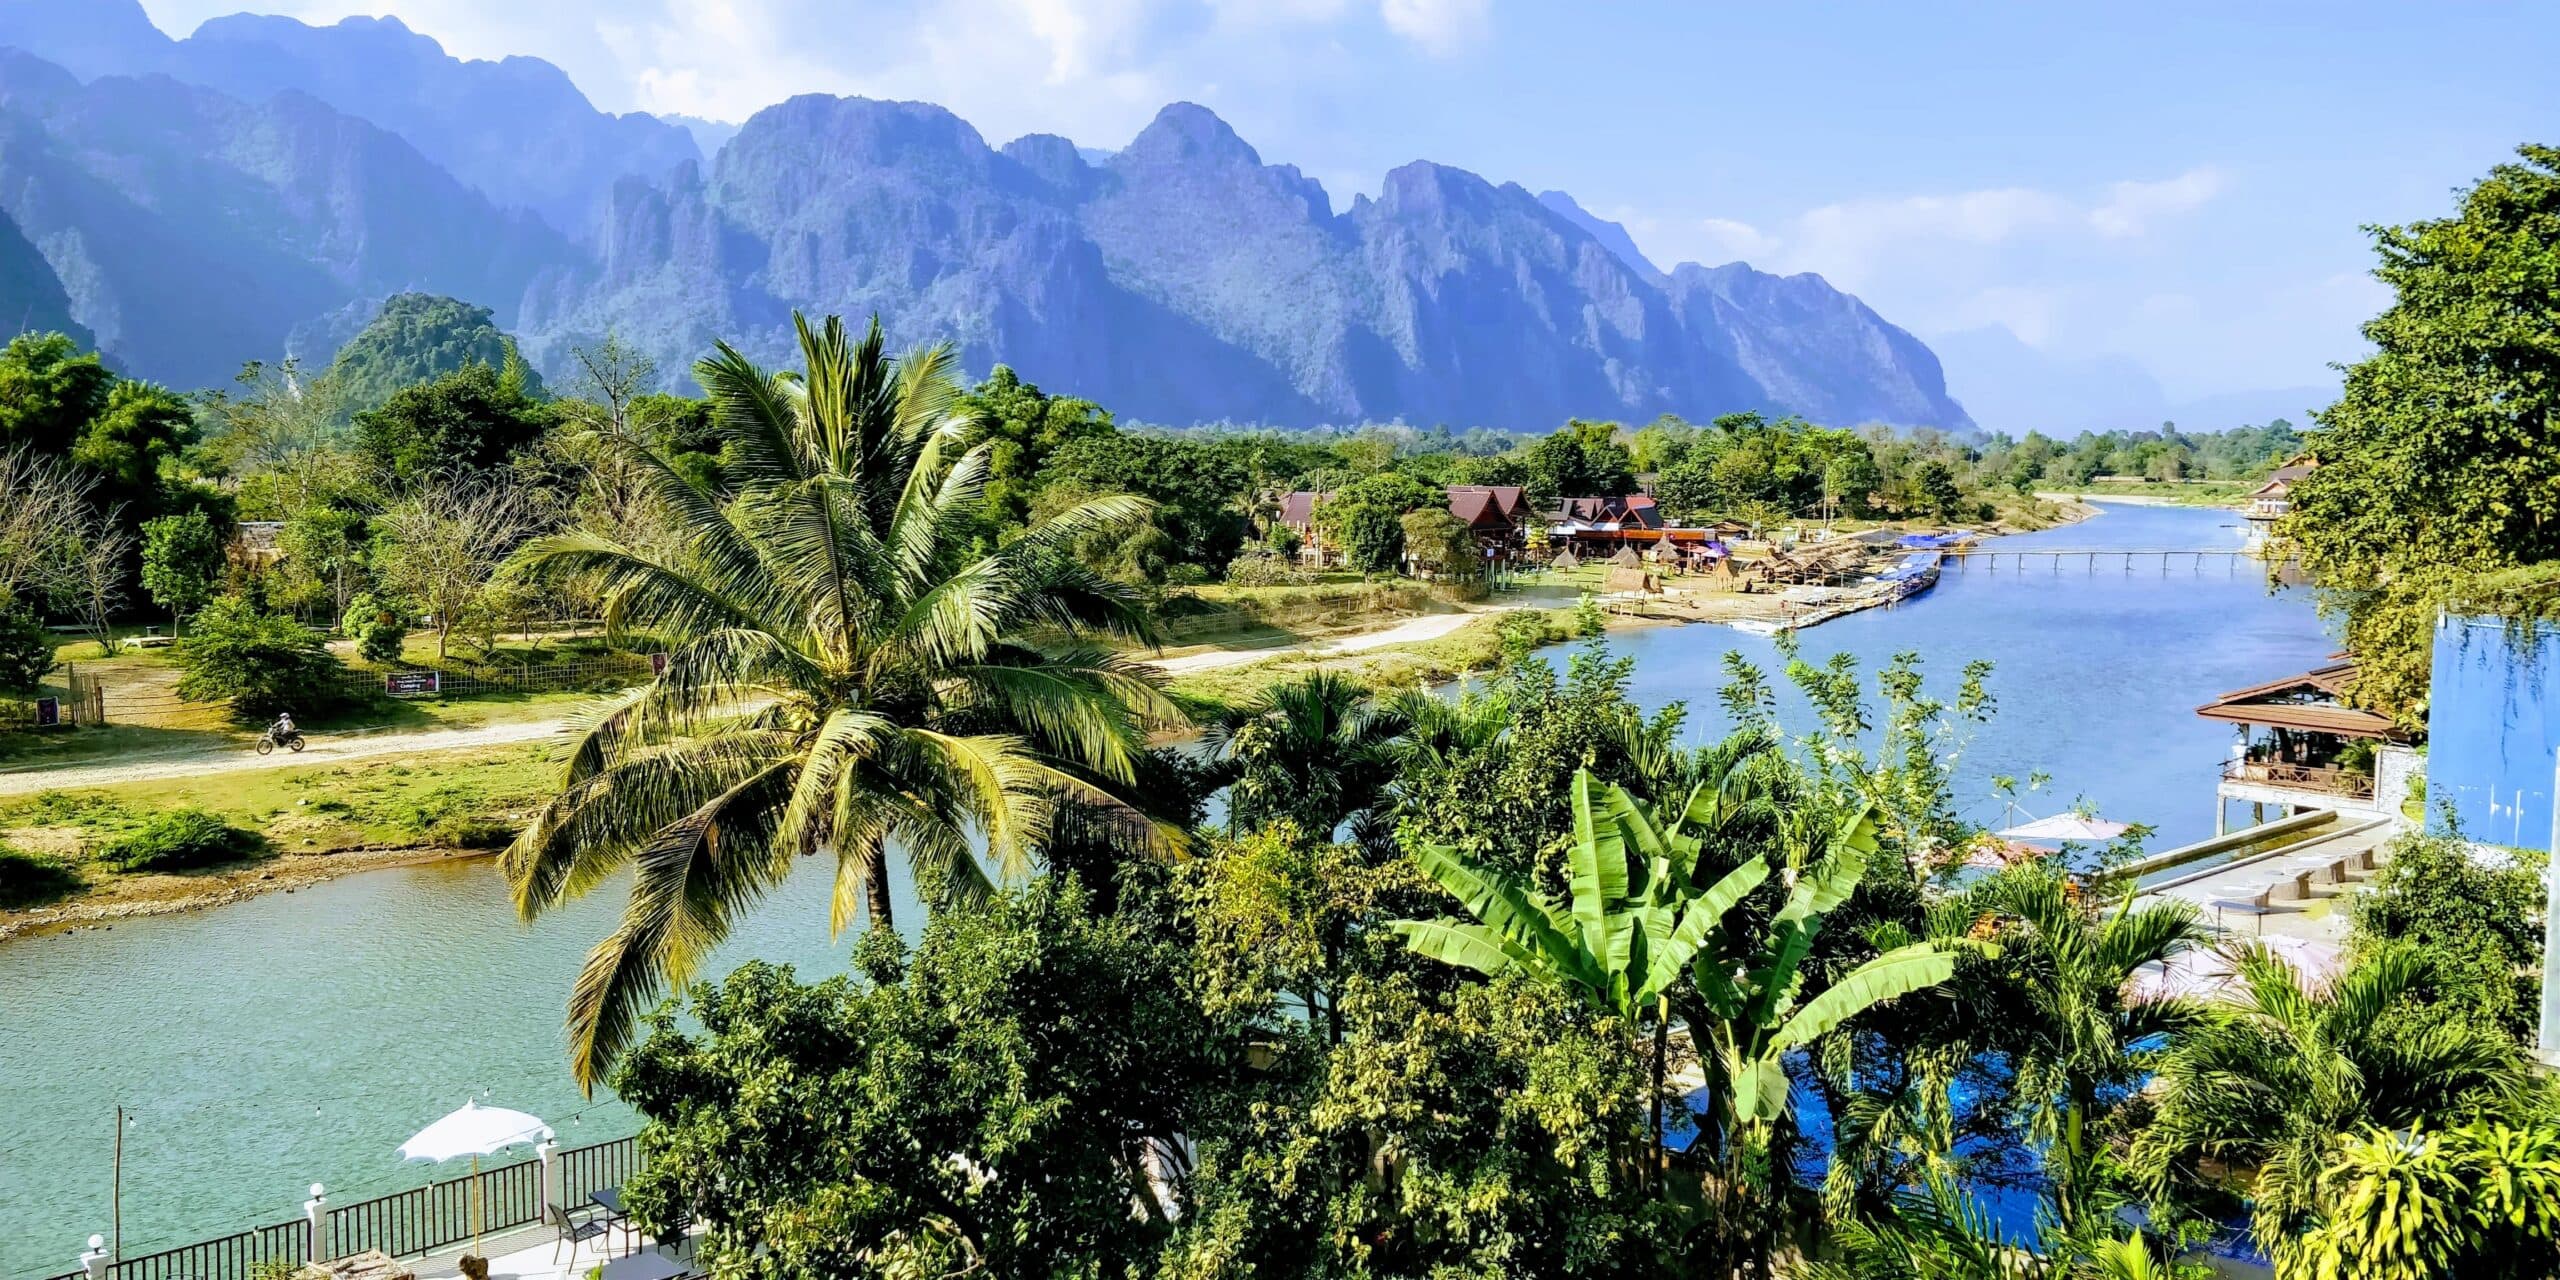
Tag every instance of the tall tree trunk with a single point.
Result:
(875, 885)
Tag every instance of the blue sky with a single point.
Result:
(2178, 184)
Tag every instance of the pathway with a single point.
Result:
(1430, 626)
(324, 749)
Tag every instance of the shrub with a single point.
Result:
(1262, 569)
(378, 627)
(263, 663)
(26, 649)
(182, 839)
(29, 879)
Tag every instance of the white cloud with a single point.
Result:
(2131, 207)
(1440, 27)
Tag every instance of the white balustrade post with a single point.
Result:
(316, 1212)
(547, 1189)
(95, 1260)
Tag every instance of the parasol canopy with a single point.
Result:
(2068, 826)
(474, 1130)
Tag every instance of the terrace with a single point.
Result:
(2298, 746)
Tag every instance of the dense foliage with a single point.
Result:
(261, 663)
(2441, 460)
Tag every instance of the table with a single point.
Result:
(610, 1200)
(645, 1266)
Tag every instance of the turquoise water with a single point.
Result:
(2097, 674)
(301, 1037)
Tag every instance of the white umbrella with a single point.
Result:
(2205, 975)
(474, 1131)
(2068, 826)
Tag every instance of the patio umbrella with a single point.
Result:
(473, 1131)
(2203, 975)
(2068, 826)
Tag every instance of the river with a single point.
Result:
(294, 1038)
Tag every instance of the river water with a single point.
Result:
(295, 1038)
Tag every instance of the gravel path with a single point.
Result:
(324, 749)
(1427, 627)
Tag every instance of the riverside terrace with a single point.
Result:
(557, 1215)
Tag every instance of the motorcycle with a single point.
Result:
(268, 741)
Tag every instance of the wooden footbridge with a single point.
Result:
(2091, 559)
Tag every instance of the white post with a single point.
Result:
(316, 1212)
(2548, 1039)
(549, 1182)
(95, 1260)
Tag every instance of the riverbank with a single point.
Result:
(147, 896)
(2232, 494)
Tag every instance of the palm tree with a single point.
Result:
(2077, 1044)
(1318, 751)
(2269, 1087)
(840, 678)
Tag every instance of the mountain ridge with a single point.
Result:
(1179, 278)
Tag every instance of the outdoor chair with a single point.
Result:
(2255, 906)
(576, 1227)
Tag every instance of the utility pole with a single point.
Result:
(115, 1198)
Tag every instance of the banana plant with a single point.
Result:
(1639, 920)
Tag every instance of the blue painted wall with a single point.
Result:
(2493, 730)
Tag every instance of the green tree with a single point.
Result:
(1933, 485)
(993, 1102)
(262, 663)
(26, 649)
(183, 557)
(840, 678)
(417, 338)
(2478, 922)
(2482, 1200)
(2440, 459)
(1371, 536)
(2076, 1046)
(379, 625)
(1445, 545)
(469, 421)
(1023, 426)
(2267, 1086)
(50, 391)
(140, 430)
(1192, 487)
(1315, 752)
(1582, 460)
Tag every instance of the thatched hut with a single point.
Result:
(1566, 559)
(1627, 559)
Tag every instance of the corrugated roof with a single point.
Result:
(2308, 701)
(1299, 508)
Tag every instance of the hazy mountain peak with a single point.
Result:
(1186, 132)
(1612, 236)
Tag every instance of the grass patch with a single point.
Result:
(2185, 493)
(182, 840)
(461, 799)
(1475, 647)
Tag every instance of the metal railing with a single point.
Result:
(2325, 779)
(437, 1214)
(228, 1258)
(583, 1171)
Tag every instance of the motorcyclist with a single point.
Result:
(282, 729)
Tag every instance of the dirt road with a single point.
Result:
(324, 749)
(1430, 626)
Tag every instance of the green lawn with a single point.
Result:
(458, 800)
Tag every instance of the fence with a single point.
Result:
(583, 1171)
(228, 1258)
(439, 1213)
(157, 705)
(402, 1224)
